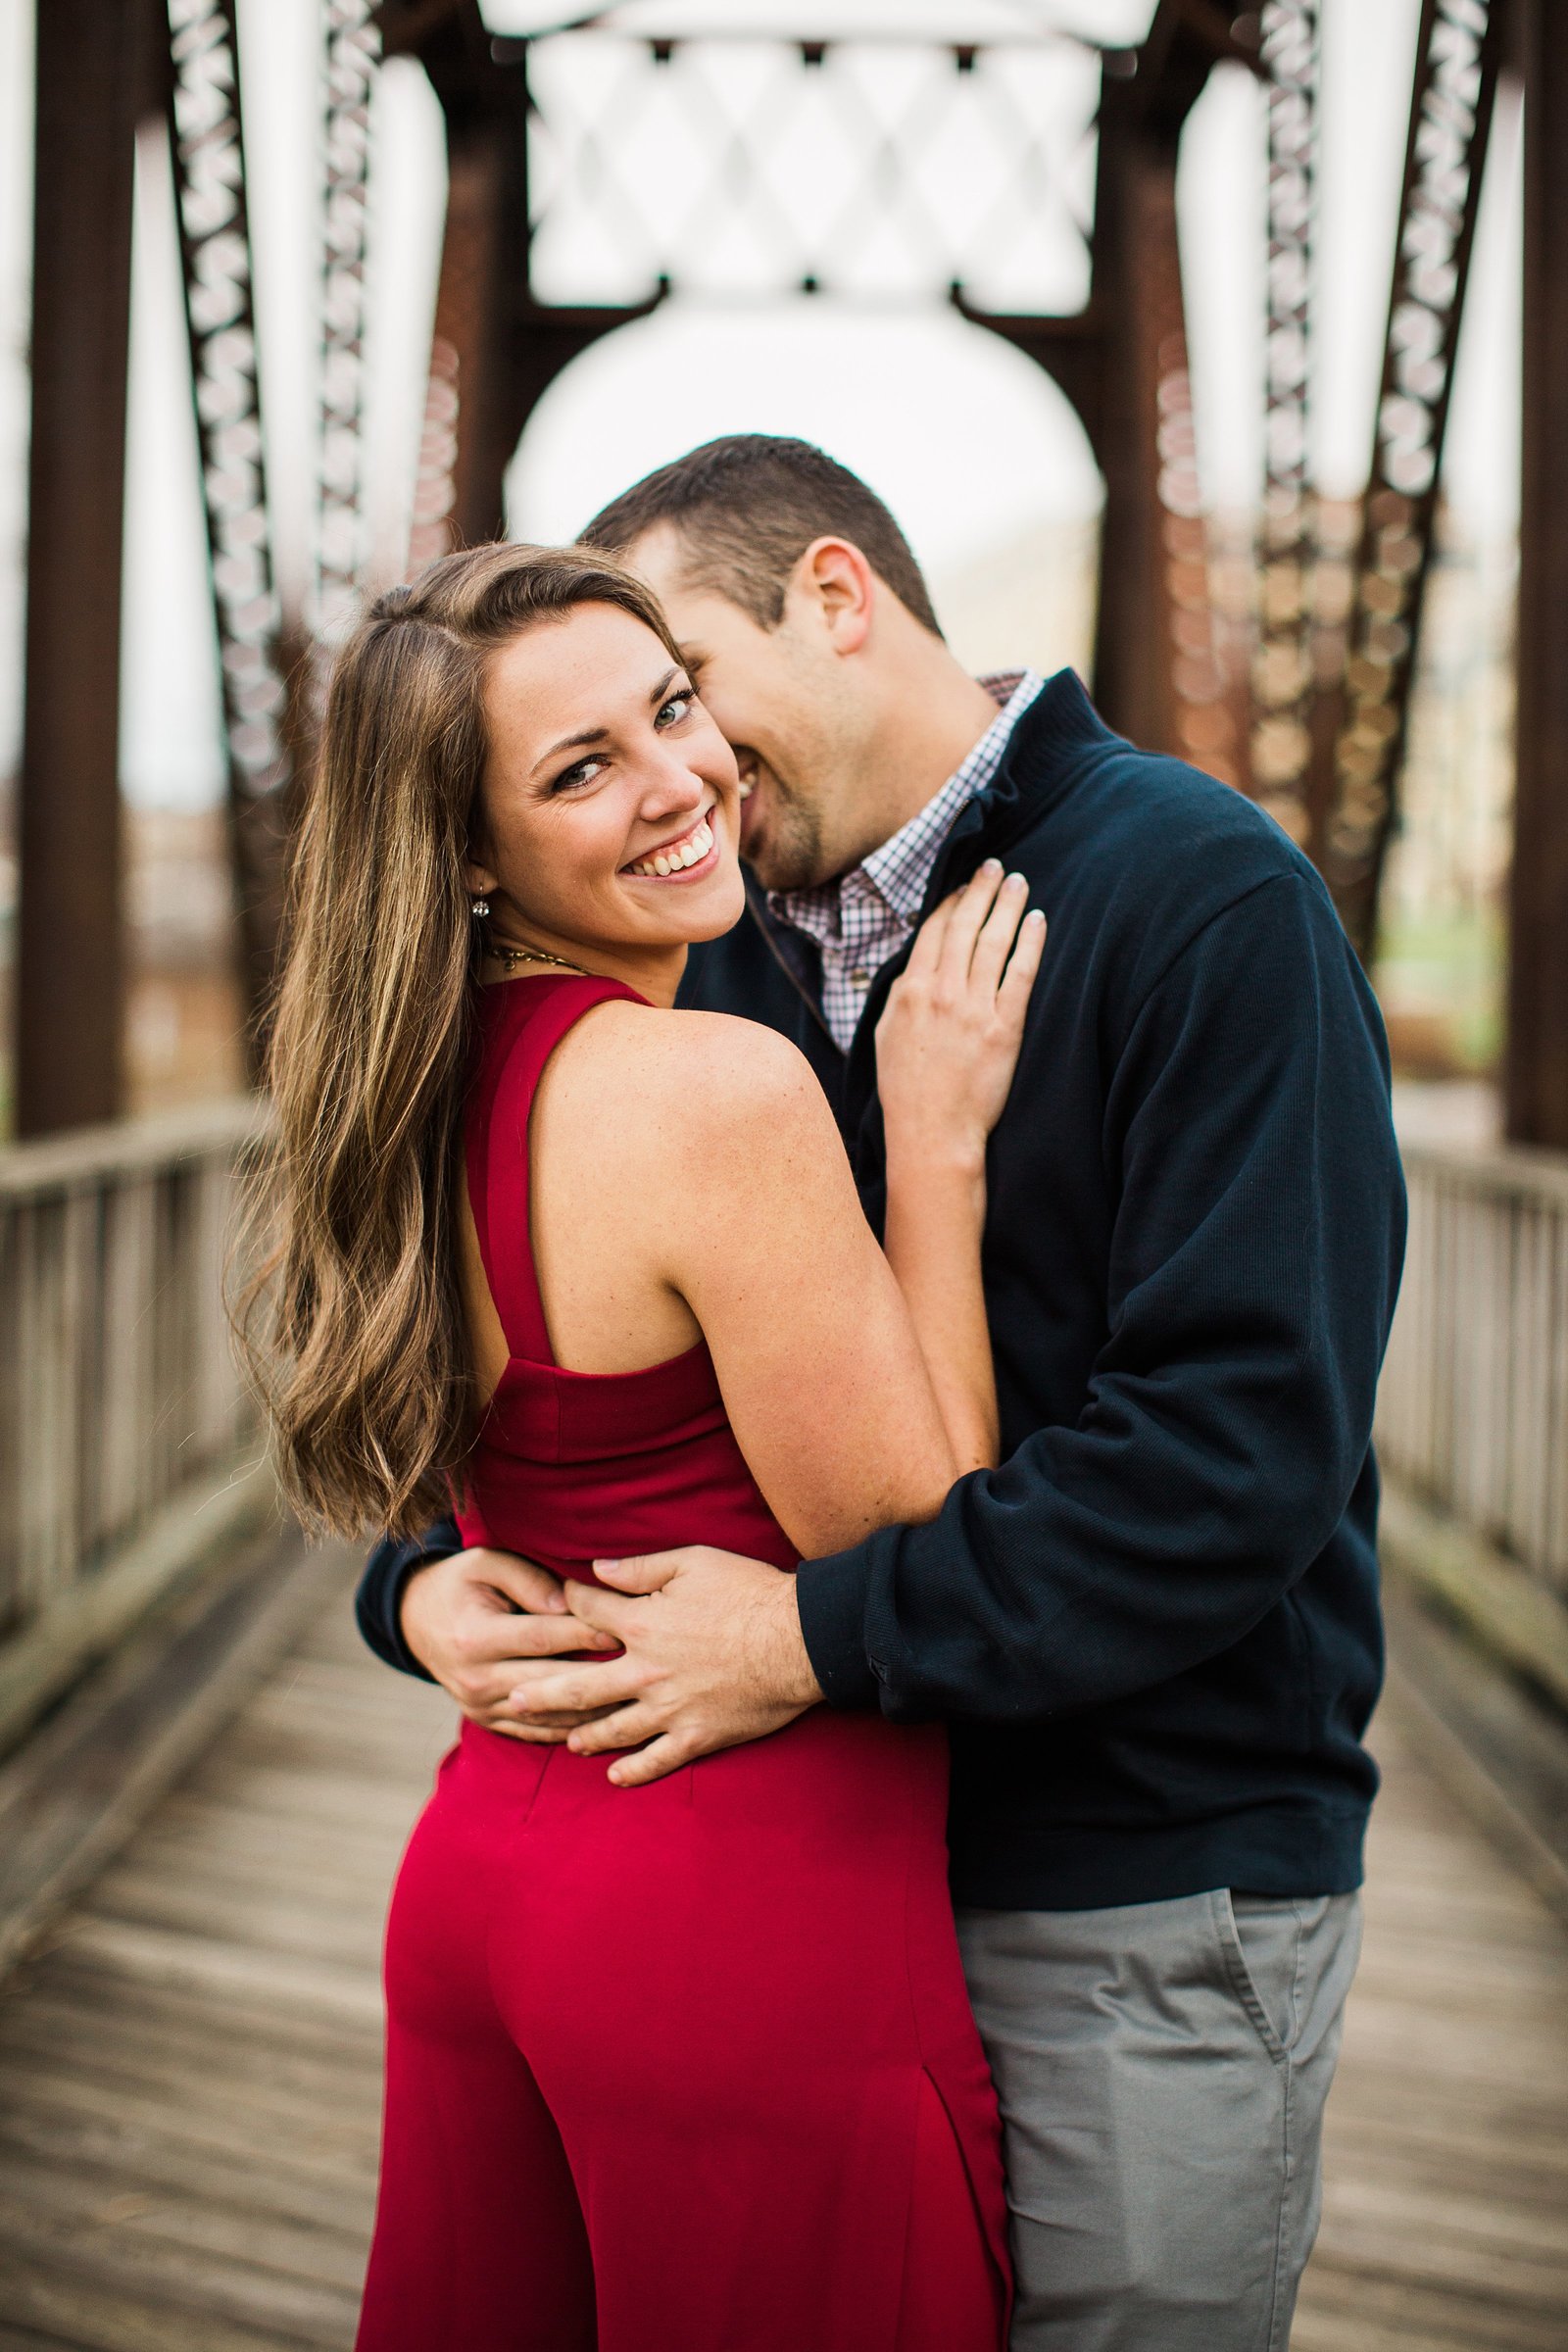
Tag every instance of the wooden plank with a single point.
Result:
(166, 2224)
(205, 1965)
(83, 1783)
(159, 2160)
(1497, 1756)
(1516, 1617)
(92, 1156)
(132, 2040)
(203, 2302)
(85, 2316)
(91, 1618)
(334, 2163)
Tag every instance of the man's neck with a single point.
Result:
(930, 722)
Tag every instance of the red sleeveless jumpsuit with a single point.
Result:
(688, 2068)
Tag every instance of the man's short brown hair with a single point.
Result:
(747, 508)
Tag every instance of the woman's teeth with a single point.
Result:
(690, 851)
(748, 787)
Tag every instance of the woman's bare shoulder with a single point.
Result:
(689, 1082)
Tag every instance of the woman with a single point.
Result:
(689, 2067)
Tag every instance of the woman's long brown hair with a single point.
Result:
(352, 1326)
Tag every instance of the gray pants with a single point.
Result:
(1163, 2070)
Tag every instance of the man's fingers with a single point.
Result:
(485, 1642)
(584, 1691)
(525, 1584)
(610, 1614)
(623, 1726)
(652, 1763)
(554, 1637)
(532, 1735)
(647, 1572)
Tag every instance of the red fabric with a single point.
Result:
(681, 2069)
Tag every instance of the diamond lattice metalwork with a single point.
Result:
(885, 170)
(352, 52)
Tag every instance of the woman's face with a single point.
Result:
(610, 799)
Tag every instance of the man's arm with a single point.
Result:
(378, 1597)
(1254, 1262)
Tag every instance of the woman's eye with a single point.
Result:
(572, 779)
(678, 704)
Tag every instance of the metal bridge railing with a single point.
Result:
(127, 1446)
(1473, 1409)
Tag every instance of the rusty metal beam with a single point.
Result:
(1536, 1065)
(209, 152)
(1281, 743)
(92, 62)
(353, 46)
(495, 350)
(1157, 676)
(1457, 54)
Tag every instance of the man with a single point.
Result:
(1153, 1631)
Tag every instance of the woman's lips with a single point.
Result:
(675, 859)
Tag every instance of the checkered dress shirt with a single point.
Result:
(864, 916)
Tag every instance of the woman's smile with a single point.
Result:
(686, 858)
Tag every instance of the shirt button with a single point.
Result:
(860, 976)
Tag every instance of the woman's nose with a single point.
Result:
(672, 785)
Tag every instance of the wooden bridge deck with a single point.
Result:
(189, 2069)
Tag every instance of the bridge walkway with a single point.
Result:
(189, 2064)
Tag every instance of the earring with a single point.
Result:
(480, 906)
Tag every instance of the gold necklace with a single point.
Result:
(512, 956)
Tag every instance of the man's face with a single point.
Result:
(782, 699)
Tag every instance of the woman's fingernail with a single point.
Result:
(992, 865)
(1017, 881)
(1036, 914)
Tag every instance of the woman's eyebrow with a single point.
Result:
(591, 735)
(572, 743)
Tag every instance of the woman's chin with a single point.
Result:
(705, 909)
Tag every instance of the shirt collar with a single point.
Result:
(898, 871)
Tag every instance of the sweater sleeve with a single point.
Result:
(1254, 1258)
(378, 1597)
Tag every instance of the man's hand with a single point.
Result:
(713, 1657)
(481, 1622)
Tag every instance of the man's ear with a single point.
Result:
(842, 587)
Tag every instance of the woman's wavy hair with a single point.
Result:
(350, 1321)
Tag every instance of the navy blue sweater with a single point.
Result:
(1154, 1630)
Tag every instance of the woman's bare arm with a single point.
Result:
(823, 1376)
(947, 1046)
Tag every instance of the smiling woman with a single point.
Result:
(595, 1270)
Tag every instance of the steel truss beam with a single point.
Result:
(495, 349)
(208, 144)
(1536, 1063)
(353, 53)
(1282, 665)
(1451, 115)
(93, 57)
